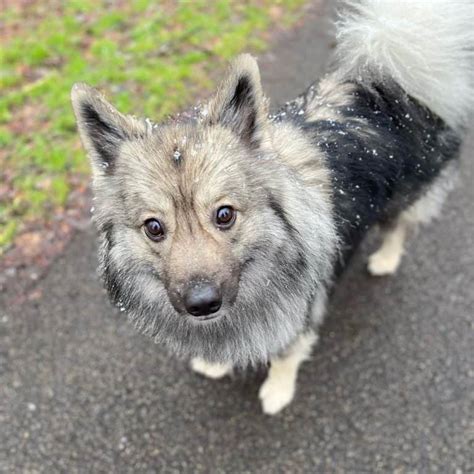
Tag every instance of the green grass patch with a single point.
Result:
(149, 57)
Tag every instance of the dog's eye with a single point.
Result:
(154, 229)
(225, 217)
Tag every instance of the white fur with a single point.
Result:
(318, 308)
(278, 389)
(212, 371)
(387, 258)
(427, 46)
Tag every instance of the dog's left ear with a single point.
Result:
(239, 103)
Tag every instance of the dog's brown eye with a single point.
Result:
(225, 217)
(154, 229)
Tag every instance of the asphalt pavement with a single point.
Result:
(390, 387)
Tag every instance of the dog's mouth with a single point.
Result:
(207, 318)
(210, 317)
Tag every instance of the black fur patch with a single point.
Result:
(109, 274)
(107, 228)
(243, 93)
(381, 167)
(294, 266)
(104, 136)
(240, 113)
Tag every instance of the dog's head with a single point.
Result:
(196, 243)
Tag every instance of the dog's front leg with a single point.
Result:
(278, 389)
(210, 370)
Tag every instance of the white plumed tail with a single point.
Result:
(427, 46)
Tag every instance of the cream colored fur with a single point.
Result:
(425, 45)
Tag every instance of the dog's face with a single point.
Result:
(196, 244)
(187, 213)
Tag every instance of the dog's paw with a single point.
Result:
(276, 393)
(212, 371)
(381, 263)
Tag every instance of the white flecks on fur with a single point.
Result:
(426, 46)
(279, 387)
(177, 155)
(332, 97)
(212, 371)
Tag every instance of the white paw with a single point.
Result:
(212, 371)
(382, 264)
(276, 393)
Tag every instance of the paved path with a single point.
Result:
(390, 387)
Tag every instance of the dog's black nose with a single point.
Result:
(202, 298)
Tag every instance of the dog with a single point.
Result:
(221, 233)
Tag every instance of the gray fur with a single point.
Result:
(376, 141)
(275, 261)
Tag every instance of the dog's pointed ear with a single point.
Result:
(239, 103)
(102, 128)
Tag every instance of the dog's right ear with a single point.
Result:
(239, 104)
(102, 128)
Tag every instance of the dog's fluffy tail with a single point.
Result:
(427, 46)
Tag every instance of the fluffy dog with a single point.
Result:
(222, 233)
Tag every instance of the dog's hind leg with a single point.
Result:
(278, 389)
(212, 371)
(386, 259)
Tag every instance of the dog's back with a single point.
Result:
(390, 116)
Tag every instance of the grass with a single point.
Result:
(151, 58)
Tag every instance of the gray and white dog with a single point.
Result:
(222, 233)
